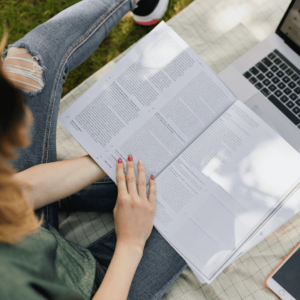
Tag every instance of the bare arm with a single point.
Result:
(134, 217)
(119, 275)
(53, 181)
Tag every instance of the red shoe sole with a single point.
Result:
(152, 22)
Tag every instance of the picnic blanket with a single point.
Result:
(220, 32)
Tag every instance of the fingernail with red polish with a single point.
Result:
(120, 160)
(130, 158)
(152, 177)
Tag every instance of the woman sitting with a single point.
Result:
(131, 262)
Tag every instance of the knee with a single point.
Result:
(23, 70)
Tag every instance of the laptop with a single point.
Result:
(268, 76)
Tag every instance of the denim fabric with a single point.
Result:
(100, 196)
(158, 269)
(61, 44)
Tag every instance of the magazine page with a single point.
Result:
(152, 104)
(223, 188)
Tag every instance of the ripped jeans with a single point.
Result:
(23, 70)
(54, 49)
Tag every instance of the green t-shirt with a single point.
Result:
(46, 266)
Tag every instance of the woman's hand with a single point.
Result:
(134, 213)
(134, 216)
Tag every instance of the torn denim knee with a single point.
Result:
(23, 70)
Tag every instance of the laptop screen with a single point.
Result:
(290, 25)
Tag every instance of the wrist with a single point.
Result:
(131, 249)
(95, 167)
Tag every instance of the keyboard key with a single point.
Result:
(284, 109)
(253, 80)
(278, 93)
(284, 98)
(297, 90)
(292, 84)
(272, 87)
(277, 61)
(266, 82)
(295, 77)
(274, 68)
(280, 74)
(275, 80)
(283, 66)
(286, 79)
(247, 75)
(254, 71)
(267, 62)
(298, 82)
(289, 72)
(293, 97)
(290, 104)
(261, 67)
(287, 91)
(260, 76)
(281, 85)
(259, 85)
(272, 55)
(269, 74)
(296, 110)
(298, 102)
(265, 92)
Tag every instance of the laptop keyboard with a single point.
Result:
(279, 81)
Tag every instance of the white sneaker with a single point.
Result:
(149, 12)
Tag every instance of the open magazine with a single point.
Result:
(221, 171)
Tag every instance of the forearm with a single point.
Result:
(118, 278)
(53, 181)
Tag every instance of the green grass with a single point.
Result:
(20, 16)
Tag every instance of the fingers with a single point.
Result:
(121, 181)
(152, 190)
(131, 179)
(142, 180)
